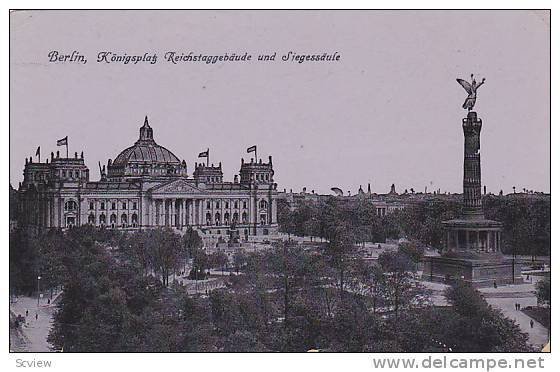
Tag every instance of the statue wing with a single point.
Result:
(465, 85)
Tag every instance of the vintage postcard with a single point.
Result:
(374, 181)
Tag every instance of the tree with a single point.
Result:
(543, 291)
(401, 288)
(165, 249)
(479, 328)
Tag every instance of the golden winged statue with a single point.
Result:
(471, 91)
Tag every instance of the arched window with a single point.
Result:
(134, 219)
(113, 218)
(70, 205)
(244, 218)
(236, 217)
(124, 219)
(208, 218)
(263, 219)
(102, 219)
(102, 206)
(218, 219)
(91, 219)
(226, 218)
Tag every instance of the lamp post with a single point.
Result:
(38, 289)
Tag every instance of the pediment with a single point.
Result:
(176, 187)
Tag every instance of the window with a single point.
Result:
(208, 206)
(244, 205)
(124, 205)
(244, 217)
(70, 205)
(77, 174)
(113, 218)
(263, 204)
(64, 174)
(134, 206)
(102, 206)
(218, 219)
(235, 205)
(124, 219)
(134, 219)
(113, 205)
(91, 219)
(91, 206)
(208, 218)
(102, 219)
(227, 205)
(263, 219)
(217, 205)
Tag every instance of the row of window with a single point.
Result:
(263, 177)
(218, 219)
(113, 219)
(70, 174)
(113, 205)
(263, 205)
(226, 205)
(71, 205)
(213, 179)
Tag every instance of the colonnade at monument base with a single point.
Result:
(482, 272)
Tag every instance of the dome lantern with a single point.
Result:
(146, 132)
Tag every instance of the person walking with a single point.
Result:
(36, 316)
(531, 323)
(26, 312)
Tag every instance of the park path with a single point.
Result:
(538, 335)
(34, 331)
(504, 299)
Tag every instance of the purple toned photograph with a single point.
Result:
(196, 181)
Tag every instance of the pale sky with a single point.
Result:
(388, 112)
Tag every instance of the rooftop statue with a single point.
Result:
(471, 91)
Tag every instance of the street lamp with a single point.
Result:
(38, 289)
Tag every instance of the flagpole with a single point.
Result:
(66, 147)
(207, 157)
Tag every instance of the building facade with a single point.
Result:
(147, 186)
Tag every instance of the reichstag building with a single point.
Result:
(147, 186)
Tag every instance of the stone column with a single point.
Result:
(182, 212)
(174, 205)
(477, 246)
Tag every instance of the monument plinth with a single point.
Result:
(472, 249)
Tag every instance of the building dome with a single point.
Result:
(145, 158)
(146, 150)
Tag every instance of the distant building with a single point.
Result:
(147, 186)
